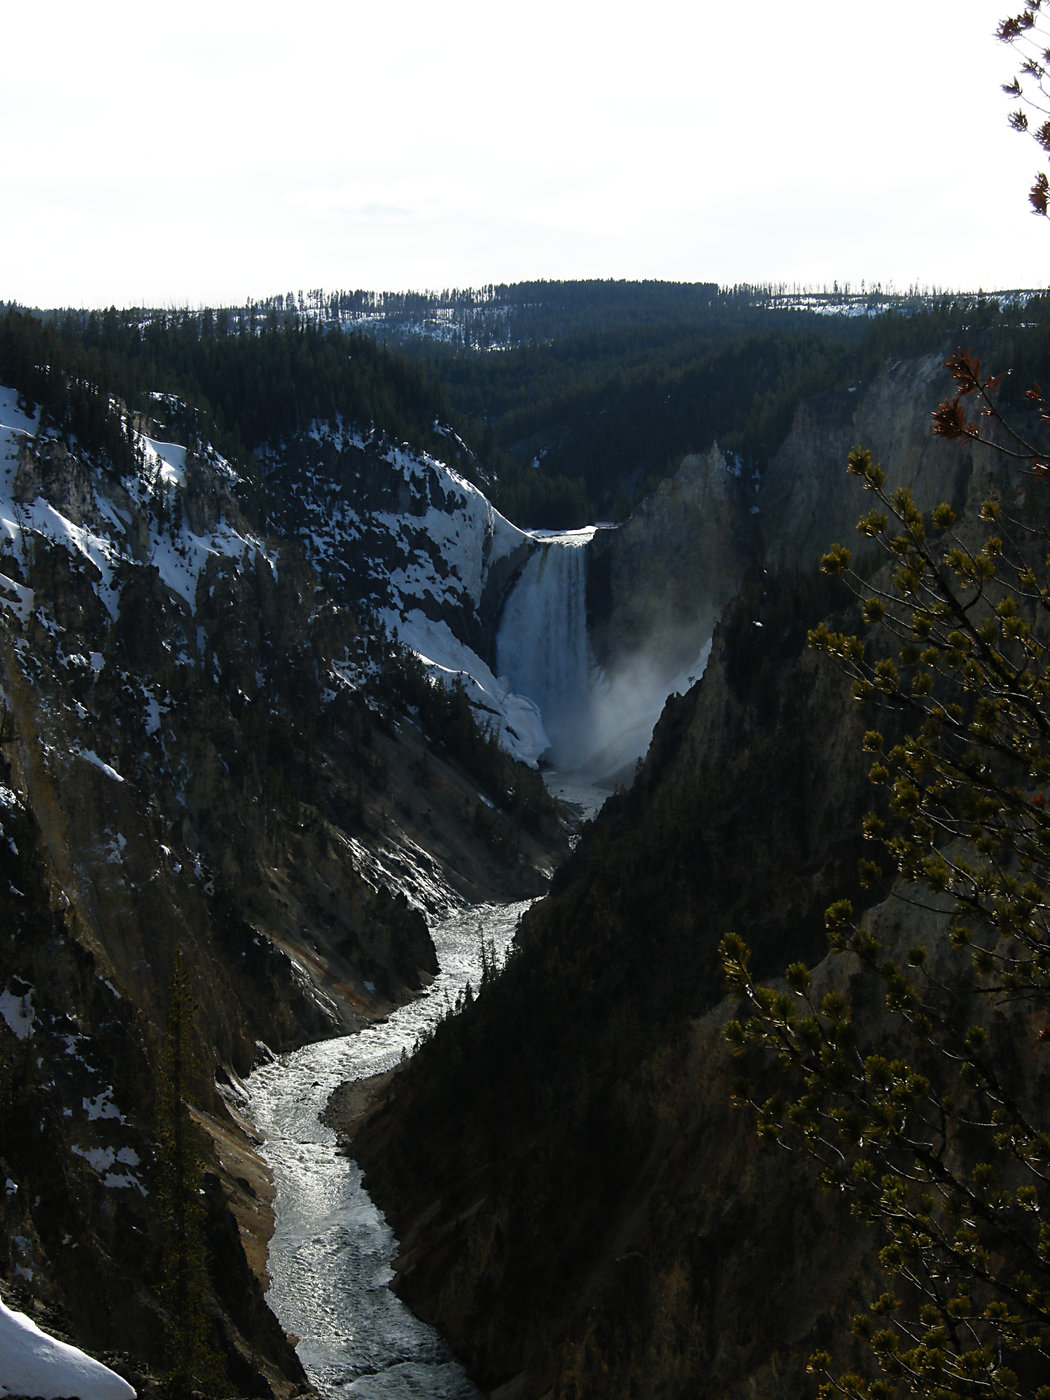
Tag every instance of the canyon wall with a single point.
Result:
(596, 1219)
(208, 763)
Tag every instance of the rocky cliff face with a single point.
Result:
(207, 755)
(601, 1222)
(600, 1184)
(659, 583)
(657, 586)
(805, 504)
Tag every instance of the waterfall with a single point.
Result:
(542, 647)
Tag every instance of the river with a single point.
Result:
(332, 1250)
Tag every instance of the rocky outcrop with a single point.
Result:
(805, 503)
(658, 583)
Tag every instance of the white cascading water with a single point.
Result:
(599, 722)
(542, 648)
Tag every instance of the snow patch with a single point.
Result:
(516, 718)
(12, 418)
(104, 1159)
(102, 1106)
(99, 763)
(34, 1363)
(17, 1011)
(15, 596)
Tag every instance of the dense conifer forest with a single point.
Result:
(240, 382)
(568, 401)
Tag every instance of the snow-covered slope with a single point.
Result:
(34, 1363)
(399, 531)
(49, 493)
(424, 548)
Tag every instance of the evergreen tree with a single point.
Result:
(180, 1202)
(931, 1116)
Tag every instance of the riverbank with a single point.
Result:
(351, 1102)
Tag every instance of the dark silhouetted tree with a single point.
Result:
(180, 1201)
(931, 1116)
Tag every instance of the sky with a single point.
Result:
(207, 153)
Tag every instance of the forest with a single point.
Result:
(591, 393)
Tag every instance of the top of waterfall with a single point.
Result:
(583, 535)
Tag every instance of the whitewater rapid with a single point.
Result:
(332, 1250)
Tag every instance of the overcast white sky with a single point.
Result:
(203, 153)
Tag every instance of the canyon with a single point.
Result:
(202, 762)
(263, 733)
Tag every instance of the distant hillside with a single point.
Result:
(569, 400)
(581, 396)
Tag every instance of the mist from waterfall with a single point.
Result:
(599, 722)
